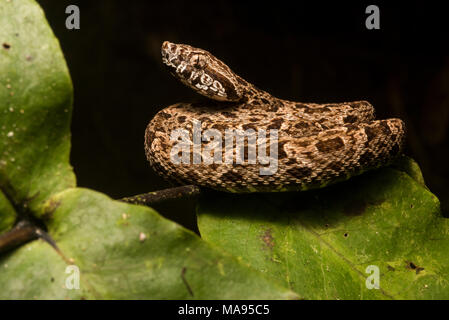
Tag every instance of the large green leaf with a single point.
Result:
(126, 252)
(319, 243)
(121, 250)
(35, 107)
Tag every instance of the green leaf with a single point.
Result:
(409, 166)
(7, 214)
(319, 243)
(34, 271)
(35, 107)
(121, 250)
(126, 252)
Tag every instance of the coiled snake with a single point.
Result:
(315, 144)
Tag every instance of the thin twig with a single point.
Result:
(23, 232)
(27, 227)
(151, 198)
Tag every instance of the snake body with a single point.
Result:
(317, 144)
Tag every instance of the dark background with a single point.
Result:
(309, 51)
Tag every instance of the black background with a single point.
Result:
(308, 51)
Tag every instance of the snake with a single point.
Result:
(314, 144)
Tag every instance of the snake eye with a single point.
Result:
(198, 61)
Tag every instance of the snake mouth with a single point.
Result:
(167, 51)
(173, 55)
(167, 47)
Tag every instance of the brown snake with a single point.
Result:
(316, 144)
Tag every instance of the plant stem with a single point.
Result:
(20, 234)
(150, 198)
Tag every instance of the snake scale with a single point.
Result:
(317, 144)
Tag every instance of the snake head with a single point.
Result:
(201, 71)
